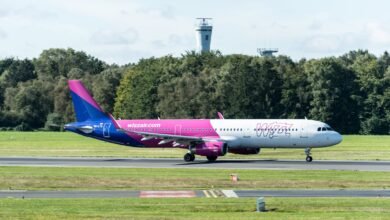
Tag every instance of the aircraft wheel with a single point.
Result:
(212, 158)
(309, 159)
(189, 157)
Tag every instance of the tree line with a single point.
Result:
(350, 92)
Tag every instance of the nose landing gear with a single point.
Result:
(308, 157)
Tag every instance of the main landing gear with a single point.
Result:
(188, 157)
(212, 158)
(308, 157)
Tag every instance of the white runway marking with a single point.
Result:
(229, 193)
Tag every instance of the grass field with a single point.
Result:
(60, 178)
(68, 144)
(195, 208)
(353, 147)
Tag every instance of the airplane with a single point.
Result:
(211, 138)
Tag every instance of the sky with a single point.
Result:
(124, 31)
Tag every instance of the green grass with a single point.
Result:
(68, 178)
(353, 147)
(195, 208)
(68, 144)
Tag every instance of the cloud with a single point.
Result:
(3, 13)
(322, 43)
(3, 35)
(173, 40)
(158, 44)
(278, 25)
(315, 26)
(111, 37)
(335, 43)
(165, 12)
(120, 55)
(378, 34)
(33, 12)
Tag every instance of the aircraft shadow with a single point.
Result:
(223, 162)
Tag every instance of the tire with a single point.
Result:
(309, 159)
(189, 157)
(211, 158)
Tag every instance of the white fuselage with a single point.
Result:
(275, 133)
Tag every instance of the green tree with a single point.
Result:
(333, 87)
(105, 86)
(250, 88)
(372, 82)
(54, 122)
(54, 63)
(62, 103)
(188, 88)
(137, 94)
(296, 97)
(31, 101)
(5, 63)
(18, 71)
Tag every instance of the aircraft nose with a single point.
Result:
(337, 138)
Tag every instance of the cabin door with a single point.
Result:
(177, 129)
(106, 130)
(303, 133)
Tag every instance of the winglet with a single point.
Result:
(220, 116)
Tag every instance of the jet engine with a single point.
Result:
(210, 149)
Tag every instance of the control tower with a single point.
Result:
(203, 34)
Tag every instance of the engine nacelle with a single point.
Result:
(210, 149)
(244, 150)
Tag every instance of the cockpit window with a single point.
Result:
(323, 129)
(329, 128)
(319, 129)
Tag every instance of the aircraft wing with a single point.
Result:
(177, 139)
